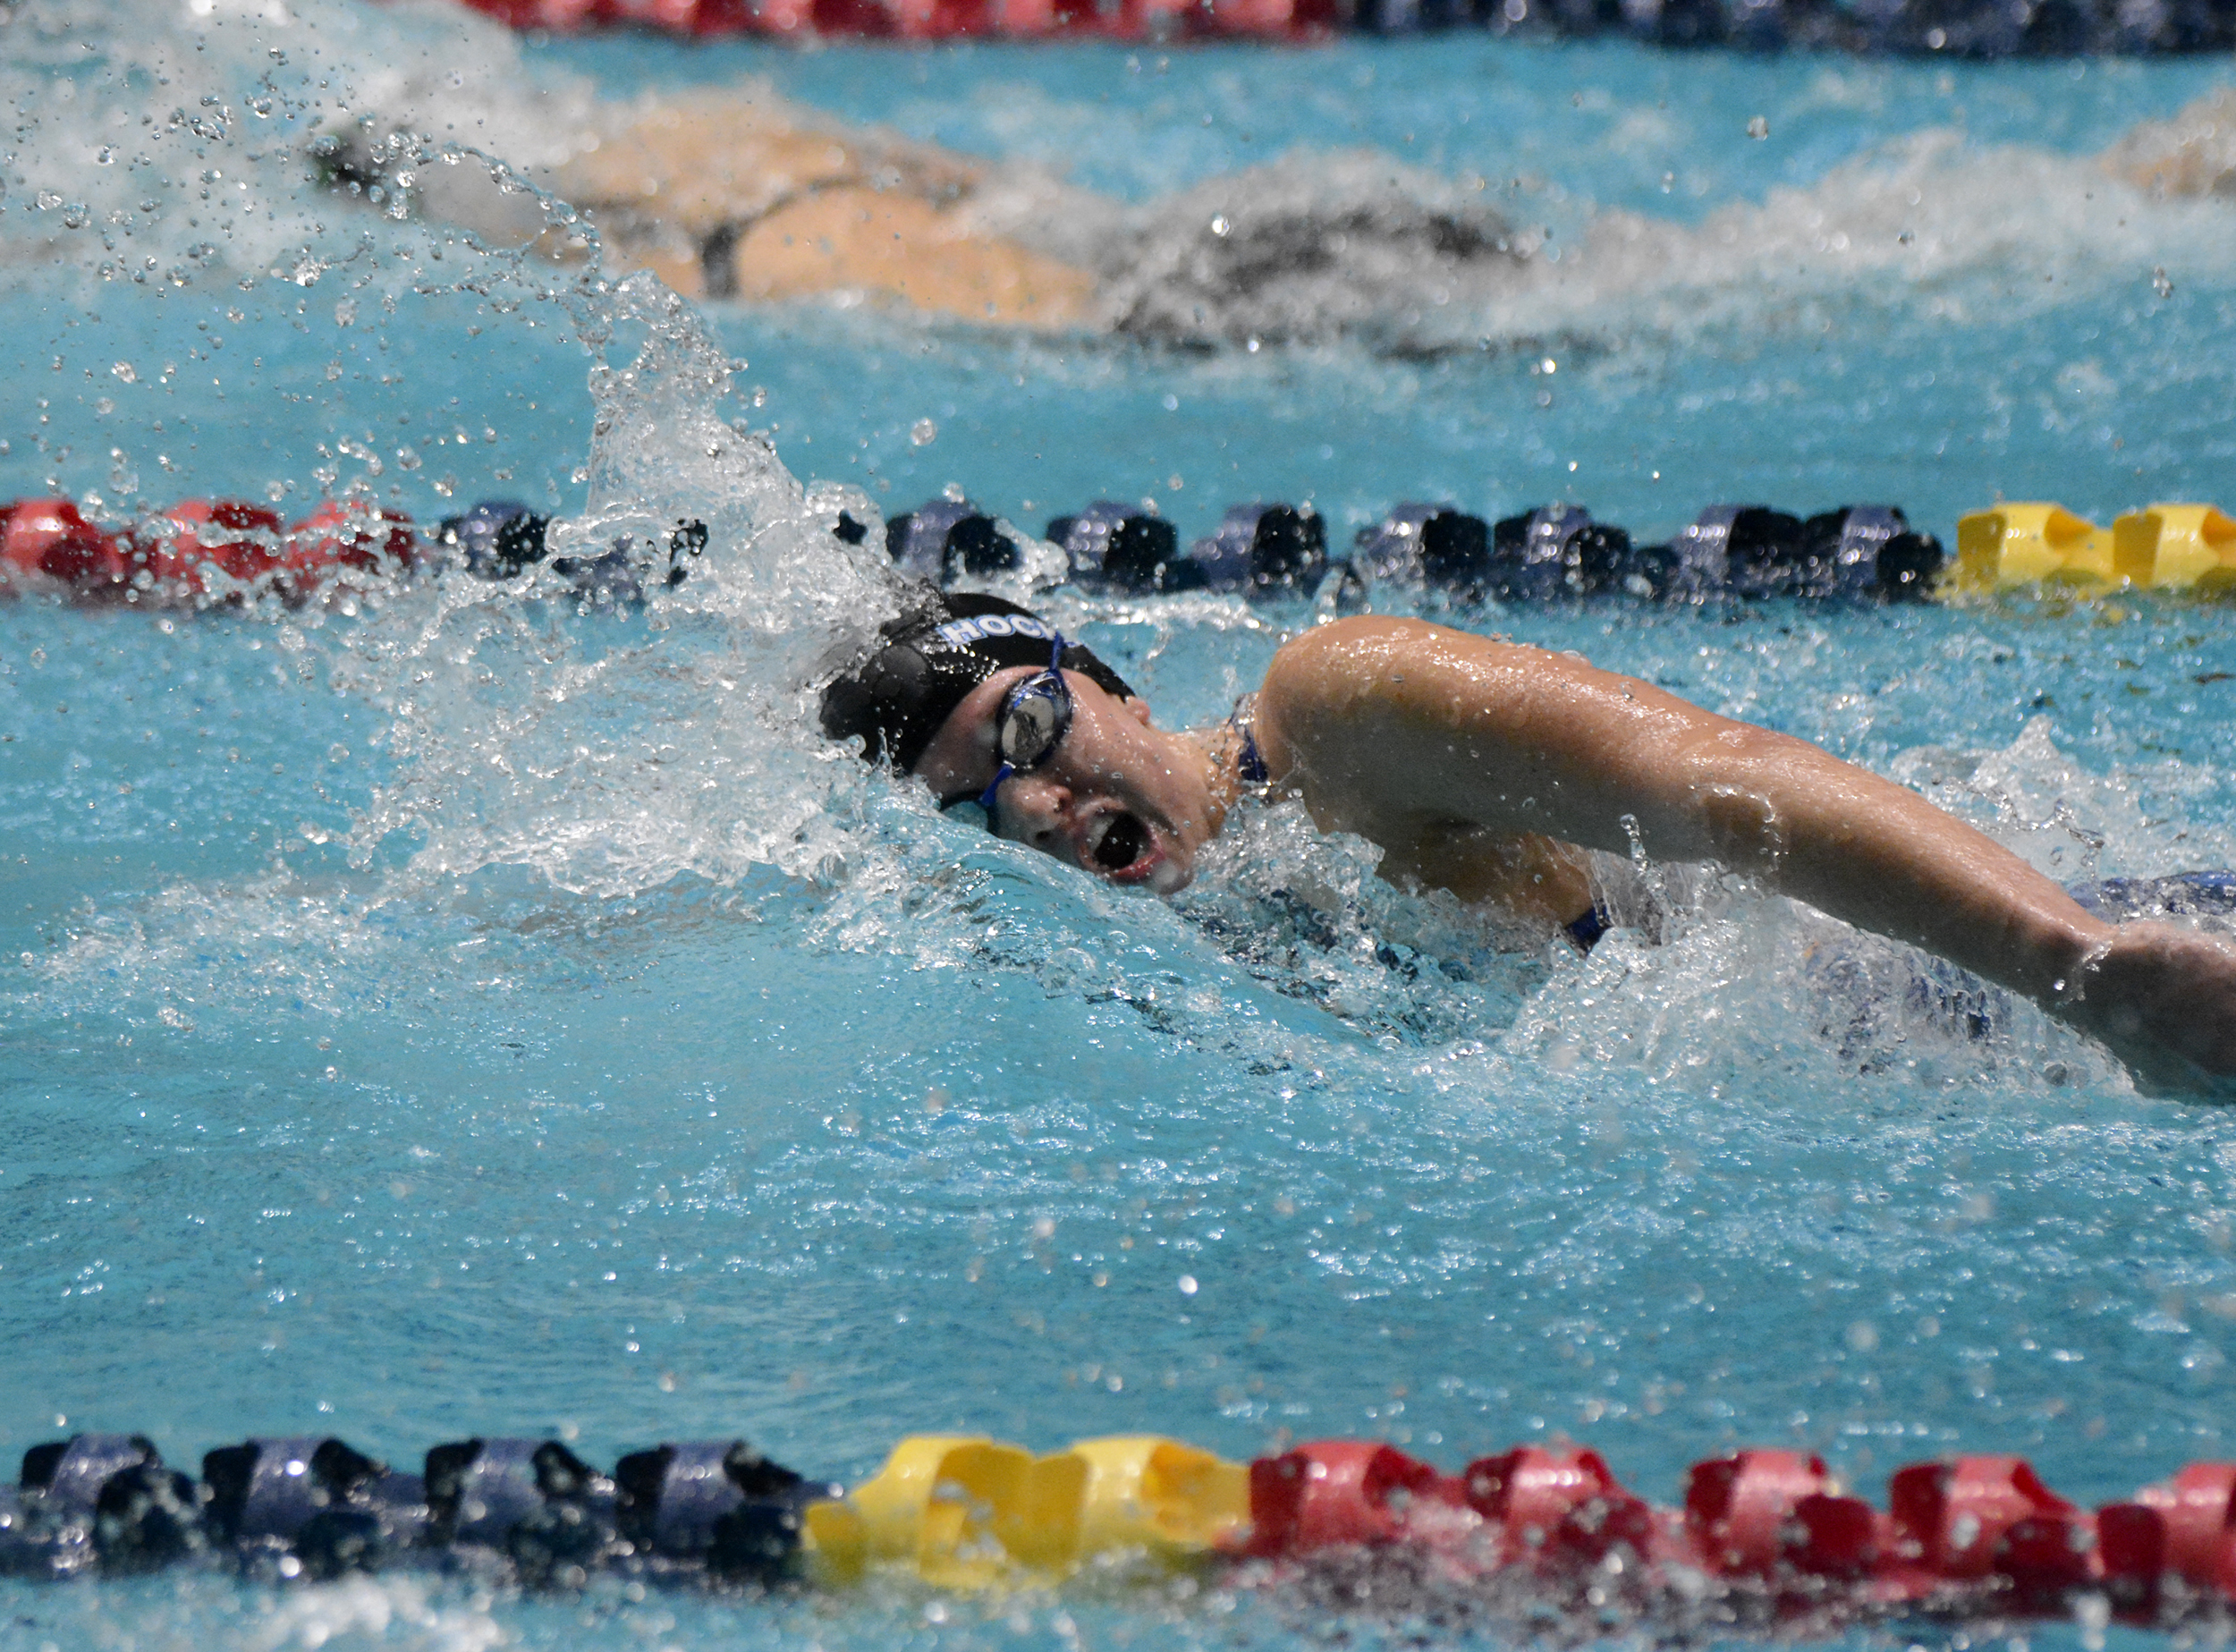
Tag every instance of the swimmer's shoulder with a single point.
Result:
(1346, 699)
(1328, 692)
(1368, 657)
(1337, 660)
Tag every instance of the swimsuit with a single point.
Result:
(1250, 764)
(1586, 931)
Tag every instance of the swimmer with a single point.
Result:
(1486, 768)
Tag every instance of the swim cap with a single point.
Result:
(929, 659)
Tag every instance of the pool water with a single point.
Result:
(450, 1012)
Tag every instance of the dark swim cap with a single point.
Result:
(929, 659)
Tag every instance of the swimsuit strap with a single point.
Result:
(1586, 931)
(1250, 765)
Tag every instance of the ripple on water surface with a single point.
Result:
(469, 1015)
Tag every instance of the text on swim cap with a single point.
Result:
(963, 633)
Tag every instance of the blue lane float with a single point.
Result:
(316, 1507)
(1275, 551)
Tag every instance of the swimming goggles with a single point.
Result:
(1032, 722)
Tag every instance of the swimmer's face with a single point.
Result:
(1118, 798)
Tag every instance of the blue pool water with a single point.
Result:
(464, 1015)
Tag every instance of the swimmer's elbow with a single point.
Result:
(1742, 828)
(1743, 789)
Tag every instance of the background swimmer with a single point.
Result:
(1485, 767)
(737, 191)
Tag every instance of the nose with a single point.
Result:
(1032, 810)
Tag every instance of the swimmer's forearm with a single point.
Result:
(1876, 855)
(1862, 849)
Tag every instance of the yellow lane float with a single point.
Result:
(964, 1512)
(2165, 547)
(1174, 1502)
(2030, 544)
(2188, 548)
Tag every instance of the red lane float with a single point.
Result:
(1980, 1518)
(2182, 1533)
(47, 546)
(933, 19)
(197, 538)
(1963, 1534)
(1553, 1511)
(345, 536)
(1776, 1514)
(1558, 1510)
(197, 553)
(1337, 1493)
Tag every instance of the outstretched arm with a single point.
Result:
(1411, 733)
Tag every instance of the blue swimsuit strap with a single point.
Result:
(1250, 765)
(1586, 931)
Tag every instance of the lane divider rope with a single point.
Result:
(1962, 1535)
(200, 553)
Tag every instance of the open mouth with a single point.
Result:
(1122, 839)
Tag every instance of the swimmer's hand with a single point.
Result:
(2165, 999)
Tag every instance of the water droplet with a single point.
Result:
(1187, 1287)
(1759, 127)
(923, 433)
